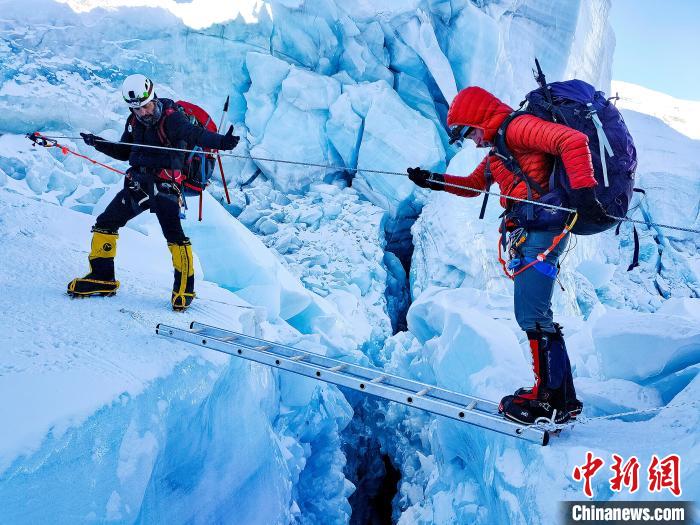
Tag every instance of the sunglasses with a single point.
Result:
(142, 109)
(459, 133)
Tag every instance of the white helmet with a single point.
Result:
(137, 90)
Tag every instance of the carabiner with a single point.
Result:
(40, 140)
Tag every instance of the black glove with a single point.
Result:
(90, 139)
(229, 141)
(588, 207)
(425, 179)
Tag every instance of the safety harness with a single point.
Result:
(517, 263)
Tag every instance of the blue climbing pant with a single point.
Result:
(534, 287)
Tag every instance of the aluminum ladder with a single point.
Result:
(469, 409)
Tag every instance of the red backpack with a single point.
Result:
(199, 164)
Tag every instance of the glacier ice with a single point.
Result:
(394, 136)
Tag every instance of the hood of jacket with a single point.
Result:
(476, 107)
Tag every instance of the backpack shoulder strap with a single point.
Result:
(502, 151)
(506, 156)
(167, 111)
(489, 180)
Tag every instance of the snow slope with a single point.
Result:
(681, 115)
(134, 416)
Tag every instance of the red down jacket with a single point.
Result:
(533, 141)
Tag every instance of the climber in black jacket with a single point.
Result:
(151, 183)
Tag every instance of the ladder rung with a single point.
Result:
(337, 368)
(471, 405)
(229, 338)
(262, 348)
(297, 357)
(424, 391)
(378, 379)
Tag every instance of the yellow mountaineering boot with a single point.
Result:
(183, 286)
(100, 280)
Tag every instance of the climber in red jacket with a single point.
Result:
(535, 143)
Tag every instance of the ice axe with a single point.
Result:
(539, 75)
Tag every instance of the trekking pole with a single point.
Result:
(218, 157)
(201, 193)
(542, 81)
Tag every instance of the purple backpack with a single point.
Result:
(577, 104)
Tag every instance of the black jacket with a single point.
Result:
(179, 131)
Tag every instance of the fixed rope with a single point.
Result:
(583, 420)
(49, 141)
(643, 411)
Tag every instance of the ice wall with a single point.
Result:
(324, 52)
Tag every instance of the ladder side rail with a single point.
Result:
(436, 392)
(459, 413)
(203, 330)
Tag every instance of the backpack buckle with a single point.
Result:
(171, 175)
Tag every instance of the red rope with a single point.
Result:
(66, 150)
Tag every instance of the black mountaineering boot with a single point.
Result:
(100, 280)
(183, 285)
(531, 411)
(573, 406)
(547, 398)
